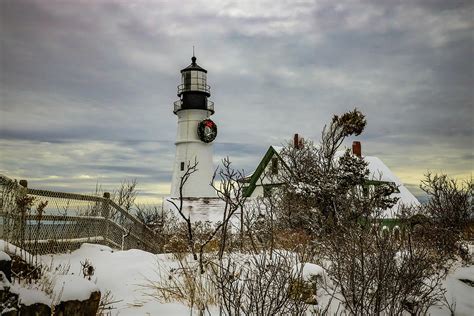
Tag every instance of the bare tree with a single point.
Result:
(126, 194)
(190, 169)
(231, 192)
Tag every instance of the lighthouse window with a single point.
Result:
(201, 77)
(194, 78)
(182, 165)
(187, 80)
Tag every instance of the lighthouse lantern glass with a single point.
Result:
(194, 80)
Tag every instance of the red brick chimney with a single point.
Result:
(356, 148)
(298, 142)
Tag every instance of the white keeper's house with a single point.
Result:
(260, 184)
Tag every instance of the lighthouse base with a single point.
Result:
(198, 209)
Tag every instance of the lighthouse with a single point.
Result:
(196, 132)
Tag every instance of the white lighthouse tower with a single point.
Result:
(196, 131)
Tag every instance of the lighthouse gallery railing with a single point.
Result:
(178, 105)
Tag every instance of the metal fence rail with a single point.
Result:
(67, 221)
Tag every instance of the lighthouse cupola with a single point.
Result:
(194, 90)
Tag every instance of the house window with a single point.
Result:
(267, 191)
(365, 190)
(182, 166)
(274, 165)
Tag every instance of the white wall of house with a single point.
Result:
(268, 176)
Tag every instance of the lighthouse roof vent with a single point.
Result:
(193, 66)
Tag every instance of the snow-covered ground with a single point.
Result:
(126, 273)
(459, 292)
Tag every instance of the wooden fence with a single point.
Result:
(42, 221)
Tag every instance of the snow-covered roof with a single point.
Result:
(278, 149)
(380, 172)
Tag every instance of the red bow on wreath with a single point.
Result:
(209, 124)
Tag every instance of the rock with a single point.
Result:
(9, 304)
(6, 265)
(68, 308)
(37, 309)
(4, 287)
(8, 300)
(79, 308)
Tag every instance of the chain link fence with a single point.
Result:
(42, 221)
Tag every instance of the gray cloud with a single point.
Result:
(87, 87)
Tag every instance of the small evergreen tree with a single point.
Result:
(323, 187)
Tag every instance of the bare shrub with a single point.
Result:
(184, 283)
(126, 194)
(376, 273)
(295, 240)
(17, 208)
(262, 284)
(449, 212)
(203, 235)
(106, 304)
(257, 284)
(152, 216)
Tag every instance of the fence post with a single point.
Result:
(106, 214)
(24, 183)
(23, 208)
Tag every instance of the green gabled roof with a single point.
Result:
(260, 168)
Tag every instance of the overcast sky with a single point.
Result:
(87, 86)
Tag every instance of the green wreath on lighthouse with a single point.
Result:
(207, 130)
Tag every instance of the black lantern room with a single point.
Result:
(193, 90)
